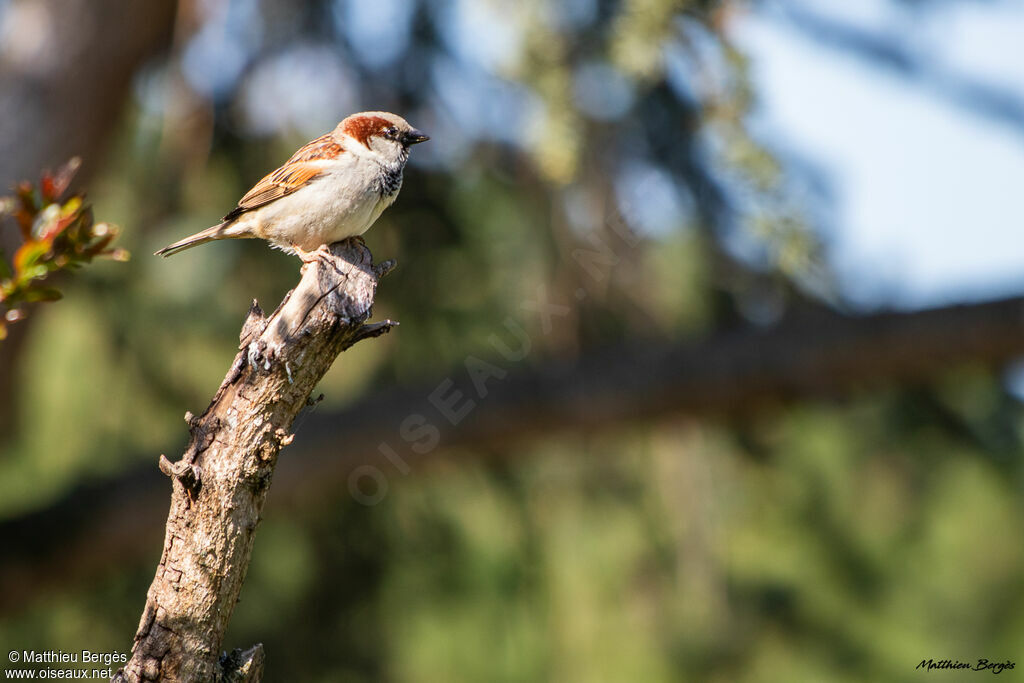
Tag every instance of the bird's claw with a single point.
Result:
(308, 257)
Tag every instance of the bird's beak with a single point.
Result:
(414, 136)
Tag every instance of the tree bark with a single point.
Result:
(221, 482)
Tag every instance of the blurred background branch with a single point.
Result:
(818, 356)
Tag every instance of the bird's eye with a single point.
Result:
(391, 132)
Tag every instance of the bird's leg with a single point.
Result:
(305, 256)
(358, 239)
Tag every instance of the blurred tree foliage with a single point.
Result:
(599, 150)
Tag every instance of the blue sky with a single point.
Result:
(927, 192)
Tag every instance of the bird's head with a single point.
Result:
(386, 134)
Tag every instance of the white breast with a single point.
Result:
(343, 202)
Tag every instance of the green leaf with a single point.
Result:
(32, 273)
(29, 254)
(71, 206)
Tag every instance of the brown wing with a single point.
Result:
(303, 168)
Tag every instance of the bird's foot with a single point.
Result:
(311, 256)
(358, 239)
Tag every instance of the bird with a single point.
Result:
(333, 188)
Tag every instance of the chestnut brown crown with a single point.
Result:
(381, 124)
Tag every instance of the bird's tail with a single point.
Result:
(217, 232)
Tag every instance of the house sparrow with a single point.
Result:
(333, 188)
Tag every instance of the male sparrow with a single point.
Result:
(333, 188)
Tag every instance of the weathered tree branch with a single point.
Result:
(221, 482)
(87, 533)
